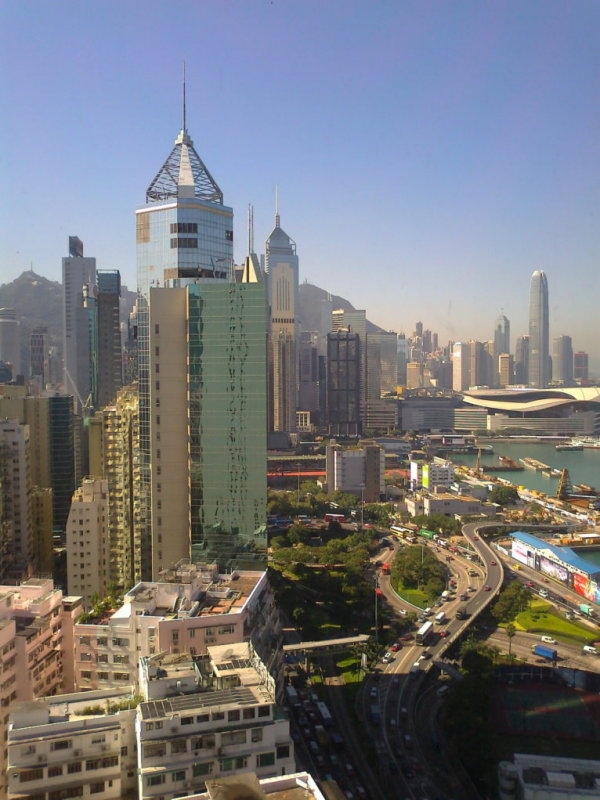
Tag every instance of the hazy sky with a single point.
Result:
(429, 155)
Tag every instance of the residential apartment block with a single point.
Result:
(229, 722)
(190, 609)
(88, 545)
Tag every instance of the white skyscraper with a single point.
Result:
(539, 341)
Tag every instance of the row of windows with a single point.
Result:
(184, 242)
(184, 227)
(225, 765)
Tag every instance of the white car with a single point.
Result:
(387, 657)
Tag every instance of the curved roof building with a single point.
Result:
(564, 411)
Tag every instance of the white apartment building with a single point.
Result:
(299, 786)
(190, 609)
(208, 717)
(87, 540)
(437, 474)
(73, 745)
(359, 470)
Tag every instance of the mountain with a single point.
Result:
(310, 298)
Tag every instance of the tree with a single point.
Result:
(510, 632)
(504, 495)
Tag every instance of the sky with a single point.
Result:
(427, 156)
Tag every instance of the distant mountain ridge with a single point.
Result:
(38, 303)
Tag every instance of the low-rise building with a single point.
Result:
(208, 717)
(533, 777)
(73, 745)
(299, 786)
(191, 608)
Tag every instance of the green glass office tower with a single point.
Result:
(201, 375)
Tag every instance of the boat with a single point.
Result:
(570, 446)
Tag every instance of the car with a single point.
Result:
(361, 792)
(530, 585)
(320, 759)
(487, 588)
(545, 580)
(406, 637)
(349, 768)
(463, 596)
(425, 655)
(408, 741)
(373, 691)
(548, 639)
(403, 612)
(493, 564)
(470, 588)
(387, 657)
(443, 634)
(395, 647)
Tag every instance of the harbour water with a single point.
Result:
(583, 465)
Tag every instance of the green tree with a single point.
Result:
(510, 632)
(504, 495)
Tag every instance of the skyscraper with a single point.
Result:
(501, 336)
(522, 359)
(109, 367)
(202, 375)
(281, 274)
(562, 360)
(78, 274)
(539, 341)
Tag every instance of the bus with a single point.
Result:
(424, 632)
(335, 518)
(325, 714)
(385, 569)
(440, 618)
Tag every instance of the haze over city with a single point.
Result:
(428, 157)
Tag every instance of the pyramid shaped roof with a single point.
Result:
(184, 174)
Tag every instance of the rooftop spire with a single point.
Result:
(277, 206)
(250, 228)
(184, 127)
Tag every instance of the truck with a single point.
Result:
(586, 609)
(375, 713)
(462, 613)
(544, 651)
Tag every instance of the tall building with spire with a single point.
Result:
(280, 263)
(539, 337)
(201, 375)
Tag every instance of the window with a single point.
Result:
(202, 769)
(155, 780)
(217, 715)
(75, 767)
(248, 713)
(92, 763)
(283, 751)
(31, 775)
(178, 775)
(229, 236)
(184, 227)
(55, 771)
(187, 243)
(233, 716)
(264, 711)
(156, 328)
(96, 788)
(179, 746)
(187, 720)
(202, 717)
(154, 749)
(102, 641)
(227, 764)
(62, 744)
(64, 794)
(257, 734)
(233, 737)
(265, 759)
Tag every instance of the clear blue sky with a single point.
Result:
(429, 155)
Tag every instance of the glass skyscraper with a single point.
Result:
(201, 375)
(539, 337)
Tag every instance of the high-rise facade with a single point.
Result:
(109, 363)
(343, 386)
(522, 360)
(88, 542)
(501, 336)
(562, 360)
(381, 402)
(78, 276)
(201, 375)
(539, 341)
(281, 274)
(580, 366)
(10, 339)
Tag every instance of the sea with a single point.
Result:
(583, 466)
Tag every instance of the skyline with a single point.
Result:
(340, 108)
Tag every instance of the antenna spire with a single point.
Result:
(184, 110)
(276, 206)
(250, 228)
